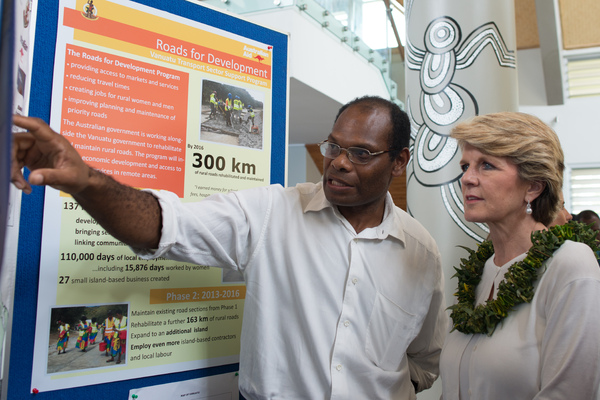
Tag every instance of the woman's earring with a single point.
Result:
(528, 209)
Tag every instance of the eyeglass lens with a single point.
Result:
(355, 154)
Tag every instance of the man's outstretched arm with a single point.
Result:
(130, 215)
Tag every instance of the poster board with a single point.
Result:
(6, 83)
(130, 87)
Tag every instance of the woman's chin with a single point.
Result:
(475, 219)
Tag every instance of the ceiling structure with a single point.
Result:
(578, 20)
(568, 40)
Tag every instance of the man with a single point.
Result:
(344, 293)
(213, 104)
(591, 218)
(237, 109)
(228, 109)
(250, 116)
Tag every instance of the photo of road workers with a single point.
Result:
(231, 115)
(84, 337)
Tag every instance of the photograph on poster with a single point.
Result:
(231, 115)
(84, 337)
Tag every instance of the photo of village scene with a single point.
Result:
(231, 115)
(83, 337)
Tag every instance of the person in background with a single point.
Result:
(228, 109)
(94, 331)
(562, 216)
(237, 109)
(213, 104)
(526, 320)
(589, 217)
(250, 116)
(61, 344)
(344, 290)
(121, 333)
(83, 330)
(68, 329)
(108, 333)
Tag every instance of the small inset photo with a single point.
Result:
(231, 115)
(87, 336)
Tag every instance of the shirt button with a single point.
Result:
(338, 367)
(346, 323)
(355, 280)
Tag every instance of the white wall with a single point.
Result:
(575, 122)
(301, 167)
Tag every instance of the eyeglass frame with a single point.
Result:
(347, 150)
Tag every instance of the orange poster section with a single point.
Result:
(186, 295)
(155, 41)
(126, 117)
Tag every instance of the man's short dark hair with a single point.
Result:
(586, 215)
(400, 135)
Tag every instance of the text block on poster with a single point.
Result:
(126, 117)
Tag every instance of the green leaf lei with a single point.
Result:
(517, 286)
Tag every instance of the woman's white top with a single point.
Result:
(546, 349)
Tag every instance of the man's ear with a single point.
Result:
(401, 162)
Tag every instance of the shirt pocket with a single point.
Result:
(390, 331)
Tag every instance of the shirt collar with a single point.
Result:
(390, 226)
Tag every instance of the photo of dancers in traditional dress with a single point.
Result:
(83, 337)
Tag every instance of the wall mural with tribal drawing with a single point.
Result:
(447, 93)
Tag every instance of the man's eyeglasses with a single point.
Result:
(357, 155)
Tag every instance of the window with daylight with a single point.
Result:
(585, 189)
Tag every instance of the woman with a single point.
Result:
(82, 339)
(94, 332)
(61, 345)
(68, 329)
(533, 333)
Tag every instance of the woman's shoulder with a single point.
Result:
(572, 261)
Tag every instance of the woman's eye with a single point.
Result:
(487, 165)
(464, 167)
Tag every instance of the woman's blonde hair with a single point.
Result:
(528, 143)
